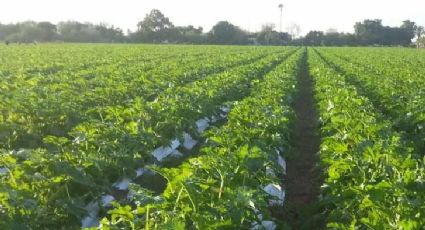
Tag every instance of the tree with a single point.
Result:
(420, 43)
(155, 27)
(28, 31)
(294, 30)
(419, 31)
(369, 32)
(333, 38)
(407, 32)
(268, 36)
(7, 30)
(48, 31)
(314, 38)
(69, 31)
(420, 40)
(226, 33)
(72, 31)
(409, 27)
(189, 34)
(372, 32)
(268, 27)
(109, 33)
(155, 21)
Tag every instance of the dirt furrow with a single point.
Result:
(302, 181)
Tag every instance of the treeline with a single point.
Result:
(70, 31)
(368, 32)
(156, 28)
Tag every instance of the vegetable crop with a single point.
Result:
(198, 137)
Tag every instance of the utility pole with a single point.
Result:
(281, 13)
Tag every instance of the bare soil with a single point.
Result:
(302, 181)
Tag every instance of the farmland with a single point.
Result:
(211, 137)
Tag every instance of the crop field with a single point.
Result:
(211, 137)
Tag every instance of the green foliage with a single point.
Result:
(225, 183)
(372, 32)
(74, 119)
(268, 36)
(69, 31)
(372, 178)
(398, 93)
(226, 33)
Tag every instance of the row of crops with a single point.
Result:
(372, 140)
(78, 141)
(221, 188)
(196, 137)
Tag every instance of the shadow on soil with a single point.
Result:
(303, 179)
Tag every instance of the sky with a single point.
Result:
(249, 14)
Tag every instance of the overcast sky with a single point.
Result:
(248, 14)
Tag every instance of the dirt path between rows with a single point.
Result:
(302, 181)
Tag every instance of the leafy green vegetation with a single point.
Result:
(373, 180)
(228, 182)
(399, 91)
(69, 134)
(196, 137)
